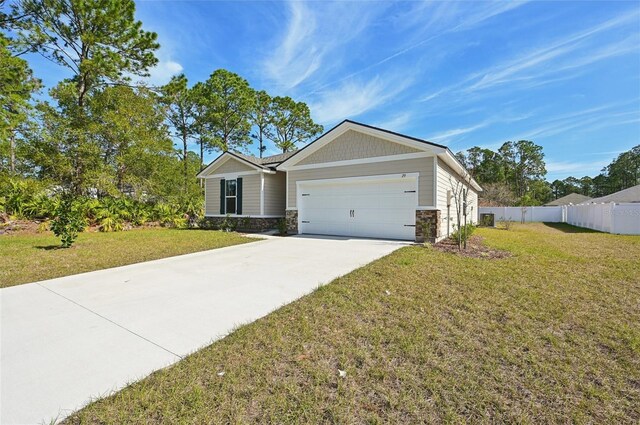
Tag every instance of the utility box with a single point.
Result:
(487, 219)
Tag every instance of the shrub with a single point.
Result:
(427, 230)
(245, 223)
(227, 224)
(463, 232)
(282, 227)
(68, 222)
(505, 223)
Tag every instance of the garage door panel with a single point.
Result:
(374, 207)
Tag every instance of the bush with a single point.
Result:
(68, 222)
(464, 232)
(228, 225)
(282, 227)
(505, 223)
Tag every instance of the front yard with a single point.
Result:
(33, 257)
(550, 334)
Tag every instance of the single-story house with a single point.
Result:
(354, 180)
(570, 199)
(628, 195)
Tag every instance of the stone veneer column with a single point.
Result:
(292, 221)
(422, 217)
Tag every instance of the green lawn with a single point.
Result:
(551, 334)
(34, 257)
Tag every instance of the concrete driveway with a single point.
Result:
(66, 341)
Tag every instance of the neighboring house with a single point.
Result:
(354, 180)
(570, 199)
(630, 194)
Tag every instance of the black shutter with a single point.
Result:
(222, 196)
(239, 195)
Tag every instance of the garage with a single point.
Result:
(374, 206)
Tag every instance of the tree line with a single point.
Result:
(515, 175)
(101, 133)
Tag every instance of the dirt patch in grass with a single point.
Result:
(476, 248)
(13, 227)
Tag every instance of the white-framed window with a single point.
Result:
(230, 194)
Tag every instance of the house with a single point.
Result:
(570, 199)
(628, 195)
(354, 180)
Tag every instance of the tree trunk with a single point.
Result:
(201, 153)
(184, 158)
(12, 157)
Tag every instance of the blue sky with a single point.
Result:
(563, 74)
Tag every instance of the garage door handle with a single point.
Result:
(409, 225)
(305, 221)
(409, 191)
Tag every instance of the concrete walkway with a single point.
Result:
(66, 341)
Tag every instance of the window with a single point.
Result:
(230, 196)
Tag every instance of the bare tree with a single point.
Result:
(461, 202)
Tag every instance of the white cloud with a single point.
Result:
(445, 18)
(570, 167)
(163, 71)
(396, 122)
(311, 35)
(355, 98)
(538, 60)
(447, 135)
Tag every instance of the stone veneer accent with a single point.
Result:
(243, 224)
(422, 216)
(292, 221)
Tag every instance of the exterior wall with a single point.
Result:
(355, 145)
(242, 224)
(250, 195)
(446, 180)
(211, 196)
(424, 166)
(275, 193)
(231, 165)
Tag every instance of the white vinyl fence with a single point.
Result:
(623, 218)
(525, 214)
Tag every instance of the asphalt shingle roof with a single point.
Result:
(630, 194)
(266, 161)
(572, 198)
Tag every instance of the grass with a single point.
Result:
(34, 257)
(549, 335)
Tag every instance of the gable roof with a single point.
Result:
(630, 194)
(572, 198)
(266, 163)
(440, 150)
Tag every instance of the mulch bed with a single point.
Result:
(475, 249)
(8, 227)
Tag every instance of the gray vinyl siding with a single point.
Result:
(446, 180)
(275, 193)
(424, 166)
(250, 195)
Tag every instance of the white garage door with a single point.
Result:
(376, 207)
